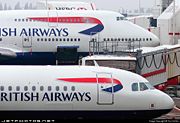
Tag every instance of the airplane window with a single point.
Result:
(25, 88)
(150, 39)
(49, 88)
(53, 39)
(122, 18)
(135, 87)
(65, 88)
(115, 39)
(112, 39)
(17, 88)
(22, 20)
(37, 39)
(129, 39)
(79, 39)
(49, 39)
(122, 39)
(15, 19)
(19, 20)
(140, 39)
(2, 88)
(149, 85)
(73, 88)
(57, 88)
(71, 39)
(26, 20)
(104, 39)
(147, 39)
(143, 86)
(33, 88)
(108, 39)
(10, 88)
(60, 39)
(41, 39)
(0, 39)
(143, 39)
(45, 39)
(117, 18)
(119, 39)
(125, 39)
(67, 39)
(64, 39)
(56, 39)
(75, 39)
(41, 88)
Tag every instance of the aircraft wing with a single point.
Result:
(8, 52)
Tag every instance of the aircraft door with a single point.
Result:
(52, 18)
(105, 95)
(27, 41)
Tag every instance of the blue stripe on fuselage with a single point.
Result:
(35, 58)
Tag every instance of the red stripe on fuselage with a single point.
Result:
(90, 80)
(90, 20)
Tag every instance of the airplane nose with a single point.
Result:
(168, 102)
(165, 101)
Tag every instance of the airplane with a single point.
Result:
(34, 36)
(78, 92)
(65, 5)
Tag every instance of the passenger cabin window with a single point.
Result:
(65, 88)
(17, 88)
(73, 88)
(135, 87)
(33, 88)
(57, 88)
(10, 88)
(143, 86)
(2, 88)
(49, 88)
(25, 88)
(41, 88)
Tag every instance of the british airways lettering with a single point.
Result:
(53, 96)
(60, 32)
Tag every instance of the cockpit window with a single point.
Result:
(143, 86)
(135, 87)
(119, 18)
(149, 85)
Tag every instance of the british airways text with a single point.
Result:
(52, 96)
(60, 32)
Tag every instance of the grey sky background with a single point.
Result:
(114, 5)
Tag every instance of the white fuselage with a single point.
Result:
(27, 29)
(80, 88)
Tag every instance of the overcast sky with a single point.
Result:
(100, 4)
